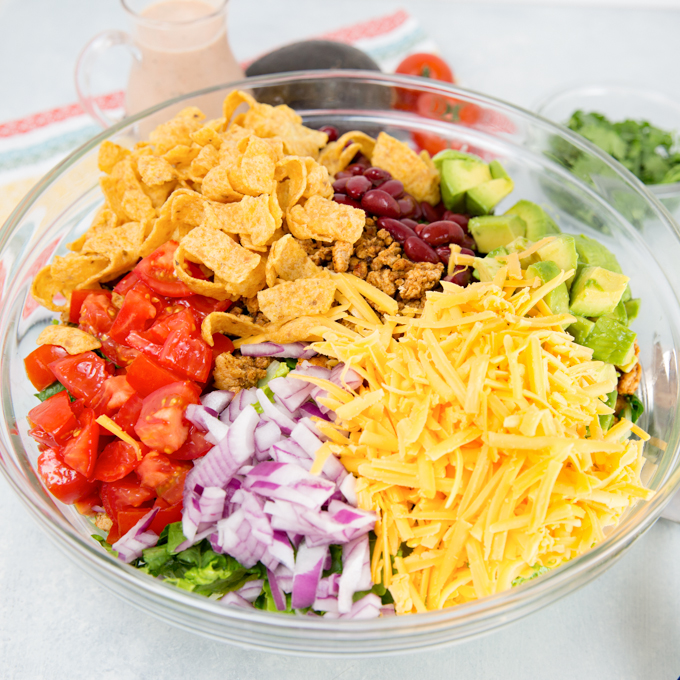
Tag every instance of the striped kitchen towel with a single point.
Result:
(29, 147)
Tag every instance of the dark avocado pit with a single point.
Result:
(315, 55)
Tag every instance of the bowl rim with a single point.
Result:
(669, 190)
(531, 596)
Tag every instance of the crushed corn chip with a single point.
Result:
(73, 340)
(303, 297)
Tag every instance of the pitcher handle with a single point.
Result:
(86, 67)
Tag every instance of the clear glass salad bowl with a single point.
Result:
(618, 103)
(610, 205)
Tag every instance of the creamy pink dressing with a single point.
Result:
(184, 47)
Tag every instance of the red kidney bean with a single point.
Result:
(343, 174)
(441, 233)
(408, 206)
(355, 169)
(461, 276)
(393, 187)
(357, 186)
(380, 203)
(429, 213)
(361, 160)
(467, 251)
(398, 230)
(339, 185)
(377, 175)
(412, 224)
(419, 228)
(458, 219)
(331, 131)
(441, 209)
(343, 199)
(444, 253)
(418, 251)
(468, 242)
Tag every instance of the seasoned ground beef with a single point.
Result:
(379, 260)
(235, 373)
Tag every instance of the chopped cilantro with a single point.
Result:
(647, 151)
(292, 363)
(336, 561)
(51, 390)
(633, 409)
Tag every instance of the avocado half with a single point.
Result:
(315, 55)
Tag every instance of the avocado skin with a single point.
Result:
(611, 342)
(596, 291)
(493, 231)
(539, 223)
(561, 251)
(315, 55)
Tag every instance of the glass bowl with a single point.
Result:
(618, 103)
(61, 205)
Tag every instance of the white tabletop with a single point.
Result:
(58, 624)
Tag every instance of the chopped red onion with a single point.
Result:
(282, 550)
(266, 435)
(309, 408)
(202, 419)
(284, 576)
(348, 489)
(291, 393)
(346, 377)
(277, 592)
(129, 547)
(356, 572)
(217, 400)
(368, 607)
(306, 439)
(275, 413)
(251, 590)
(328, 586)
(328, 603)
(293, 350)
(233, 599)
(308, 566)
(238, 403)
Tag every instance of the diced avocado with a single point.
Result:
(611, 342)
(632, 309)
(498, 251)
(458, 176)
(619, 314)
(580, 329)
(498, 171)
(539, 223)
(519, 245)
(486, 196)
(557, 299)
(561, 251)
(486, 268)
(591, 252)
(453, 155)
(493, 231)
(606, 421)
(596, 291)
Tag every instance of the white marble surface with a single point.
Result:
(56, 623)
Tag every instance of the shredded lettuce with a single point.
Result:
(277, 369)
(538, 570)
(53, 389)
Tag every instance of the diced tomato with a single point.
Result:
(196, 271)
(80, 451)
(180, 319)
(125, 492)
(168, 514)
(43, 439)
(188, 355)
(86, 505)
(161, 425)
(141, 344)
(119, 354)
(128, 517)
(55, 417)
(158, 272)
(61, 481)
(194, 447)
(128, 414)
(126, 283)
(117, 460)
(221, 344)
(164, 475)
(37, 365)
(78, 406)
(97, 306)
(82, 374)
(202, 305)
(146, 376)
(114, 533)
(137, 311)
(114, 393)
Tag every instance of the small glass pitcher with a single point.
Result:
(177, 46)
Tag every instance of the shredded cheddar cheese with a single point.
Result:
(476, 438)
